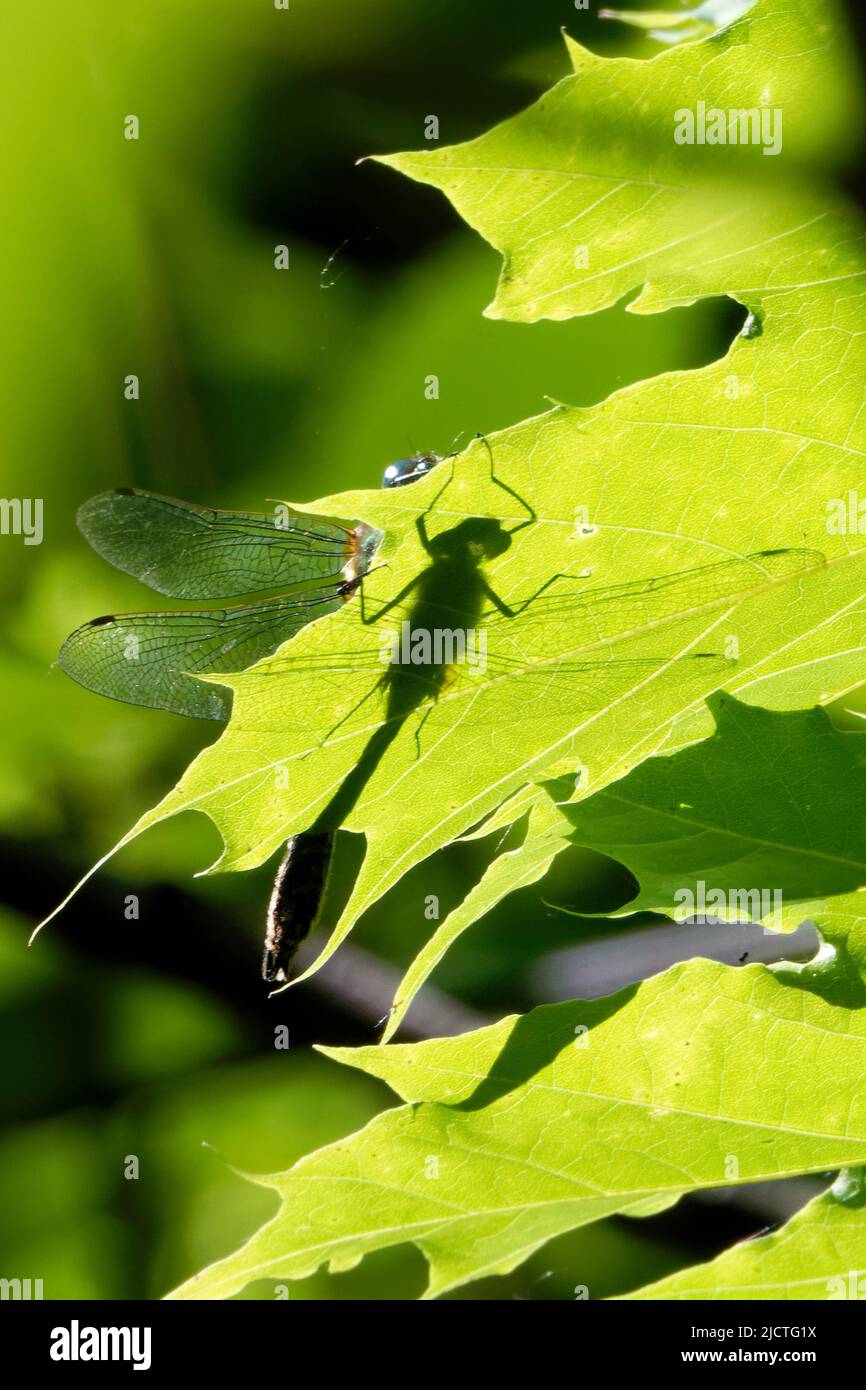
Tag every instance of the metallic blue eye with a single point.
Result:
(404, 471)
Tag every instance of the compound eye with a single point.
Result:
(400, 472)
(403, 471)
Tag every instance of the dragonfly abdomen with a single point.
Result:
(296, 900)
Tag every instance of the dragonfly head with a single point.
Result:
(404, 471)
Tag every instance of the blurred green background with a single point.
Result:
(156, 257)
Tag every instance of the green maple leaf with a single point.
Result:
(701, 1077)
(587, 196)
(797, 824)
(783, 849)
(705, 1075)
(819, 1254)
(687, 515)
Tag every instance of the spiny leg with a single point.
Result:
(532, 515)
(421, 521)
(507, 611)
(436, 690)
(378, 685)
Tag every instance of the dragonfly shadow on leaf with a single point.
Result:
(569, 647)
(442, 608)
(443, 605)
(580, 640)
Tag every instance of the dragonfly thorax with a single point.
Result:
(475, 539)
(363, 543)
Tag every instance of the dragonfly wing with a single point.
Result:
(585, 641)
(612, 610)
(151, 658)
(193, 552)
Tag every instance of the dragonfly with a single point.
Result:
(301, 881)
(290, 567)
(186, 551)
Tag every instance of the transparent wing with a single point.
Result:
(584, 684)
(149, 658)
(576, 616)
(571, 611)
(577, 643)
(567, 642)
(572, 617)
(192, 552)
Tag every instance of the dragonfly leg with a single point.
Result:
(420, 725)
(532, 515)
(508, 612)
(348, 715)
(441, 685)
(391, 603)
(421, 521)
